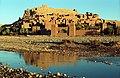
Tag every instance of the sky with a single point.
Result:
(11, 10)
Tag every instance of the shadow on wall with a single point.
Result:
(86, 32)
(40, 29)
(91, 33)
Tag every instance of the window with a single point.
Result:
(35, 8)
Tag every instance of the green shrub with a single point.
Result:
(108, 31)
(4, 33)
(23, 31)
(64, 31)
(1, 29)
(118, 31)
(7, 31)
(78, 26)
(11, 33)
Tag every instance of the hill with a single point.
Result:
(56, 21)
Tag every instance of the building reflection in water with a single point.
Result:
(46, 60)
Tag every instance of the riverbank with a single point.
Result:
(54, 45)
(6, 72)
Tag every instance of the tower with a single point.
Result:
(72, 29)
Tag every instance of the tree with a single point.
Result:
(118, 30)
(11, 33)
(78, 26)
(94, 27)
(4, 33)
(26, 31)
(1, 29)
(23, 31)
(7, 31)
(86, 27)
(15, 29)
(108, 31)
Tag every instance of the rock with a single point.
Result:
(21, 69)
(40, 76)
(37, 75)
(49, 72)
(58, 74)
(118, 42)
(54, 76)
(4, 66)
(65, 75)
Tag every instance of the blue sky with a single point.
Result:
(11, 10)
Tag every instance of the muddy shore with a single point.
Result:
(79, 46)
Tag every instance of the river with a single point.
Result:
(72, 65)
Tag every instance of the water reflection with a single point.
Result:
(93, 67)
(45, 60)
(105, 60)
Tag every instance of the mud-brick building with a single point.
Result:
(63, 22)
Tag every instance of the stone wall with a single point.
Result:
(72, 29)
(35, 28)
(62, 34)
(86, 32)
(45, 10)
(54, 30)
(26, 25)
(48, 25)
